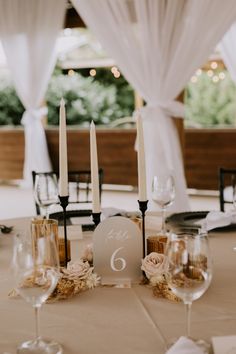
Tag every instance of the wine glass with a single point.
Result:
(189, 270)
(36, 273)
(233, 180)
(46, 191)
(163, 193)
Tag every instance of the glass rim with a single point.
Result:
(191, 233)
(42, 221)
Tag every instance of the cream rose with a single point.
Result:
(88, 253)
(79, 269)
(153, 265)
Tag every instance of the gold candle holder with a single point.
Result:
(44, 228)
(62, 251)
(156, 244)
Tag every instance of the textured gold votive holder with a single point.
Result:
(156, 244)
(62, 251)
(43, 228)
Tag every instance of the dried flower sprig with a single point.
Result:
(77, 277)
(153, 266)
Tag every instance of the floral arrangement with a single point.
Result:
(77, 277)
(153, 266)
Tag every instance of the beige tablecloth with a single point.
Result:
(128, 321)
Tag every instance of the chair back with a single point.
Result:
(227, 184)
(79, 183)
(79, 187)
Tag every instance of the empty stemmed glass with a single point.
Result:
(189, 270)
(36, 273)
(163, 193)
(234, 191)
(46, 191)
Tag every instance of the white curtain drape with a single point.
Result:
(28, 30)
(158, 44)
(227, 48)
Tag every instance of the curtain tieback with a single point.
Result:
(171, 108)
(30, 116)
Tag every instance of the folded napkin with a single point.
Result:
(108, 212)
(224, 344)
(216, 219)
(184, 345)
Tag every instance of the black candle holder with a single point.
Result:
(143, 208)
(64, 200)
(96, 218)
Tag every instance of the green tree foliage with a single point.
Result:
(86, 99)
(210, 103)
(103, 99)
(11, 108)
(124, 92)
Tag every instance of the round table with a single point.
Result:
(111, 320)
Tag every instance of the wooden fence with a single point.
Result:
(204, 152)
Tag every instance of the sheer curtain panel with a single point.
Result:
(227, 48)
(158, 44)
(28, 30)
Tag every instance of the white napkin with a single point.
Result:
(184, 345)
(216, 219)
(108, 212)
(224, 344)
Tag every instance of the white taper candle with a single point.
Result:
(142, 187)
(94, 170)
(63, 166)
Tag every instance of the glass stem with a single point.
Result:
(163, 221)
(36, 316)
(44, 212)
(188, 318)
(47, 213)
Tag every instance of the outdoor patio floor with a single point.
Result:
(18, 202)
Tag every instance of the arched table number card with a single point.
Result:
(117, 251)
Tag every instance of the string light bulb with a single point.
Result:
(114, 69)
(92, 72)
(222, 75)
(215, 78)
(71, 72)
(199, 72)
(214, 65)
(210, 73)
(117, 74)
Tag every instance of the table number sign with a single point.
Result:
(117, 243)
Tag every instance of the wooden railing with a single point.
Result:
(204, 152)
(116, 153)
(11, 153)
